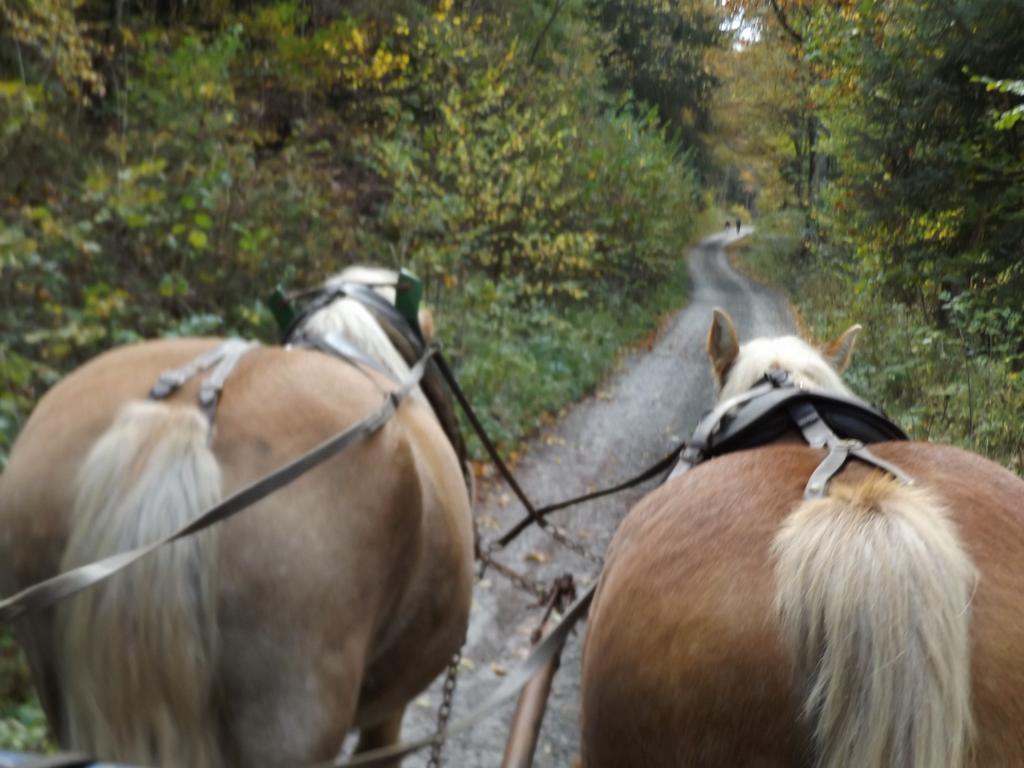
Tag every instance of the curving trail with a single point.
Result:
(654, 400)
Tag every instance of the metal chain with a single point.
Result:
(444, 712)
(485, 552)
(562, 536)
(535, 588)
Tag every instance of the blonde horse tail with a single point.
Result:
(873, 589)
(137, 653)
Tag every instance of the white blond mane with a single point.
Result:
(350, 319)
(382, 280)
(806, 364)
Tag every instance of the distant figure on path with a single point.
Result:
(737, 226)
(727, 223)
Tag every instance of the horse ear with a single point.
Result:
(426, 320)
(723, 344)
(840, 351)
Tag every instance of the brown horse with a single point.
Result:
(261, 641)
(737, 624)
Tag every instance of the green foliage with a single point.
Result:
(930, 194)
(915, 227)
(960, 384)
(45, 34)
(525, 192)
(766, 143)
(23, 728)
(275, 148)
(22, 723)
(1010, 117)
(545, 358)
(656, 52)
(532, 206)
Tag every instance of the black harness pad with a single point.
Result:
(767, 417)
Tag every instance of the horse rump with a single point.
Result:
(136, 653)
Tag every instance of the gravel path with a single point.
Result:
(654, 400)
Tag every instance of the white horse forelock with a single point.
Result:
(807, 366)
(350, 319)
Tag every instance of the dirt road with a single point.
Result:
(653, 401)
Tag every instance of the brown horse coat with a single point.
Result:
(337, 598)
(684, 664)
(736, 624)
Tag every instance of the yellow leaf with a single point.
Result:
(197, 239)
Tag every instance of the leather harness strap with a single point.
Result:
(223, 358)
(698, 447)
(818, 435)
(171, 380)
(404, 335)
(338, 346)
(366, 296)
(213, 385)
(841, 423)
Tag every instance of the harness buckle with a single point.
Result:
(847, 444)
(692, 454)
(167, 383)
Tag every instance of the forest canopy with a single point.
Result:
(167, 163)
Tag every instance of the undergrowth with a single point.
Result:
(958, 384)
(22, 723)
(525, 365)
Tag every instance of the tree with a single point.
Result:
(931, 191)
(657, 52)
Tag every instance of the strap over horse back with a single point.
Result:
(776, 406)
(404, 335)
(222, 359)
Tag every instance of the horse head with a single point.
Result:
(738, 367)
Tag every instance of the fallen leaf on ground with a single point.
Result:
(498, 669)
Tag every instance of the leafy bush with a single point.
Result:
(270, 149)
(22, 723)
(959, 384)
